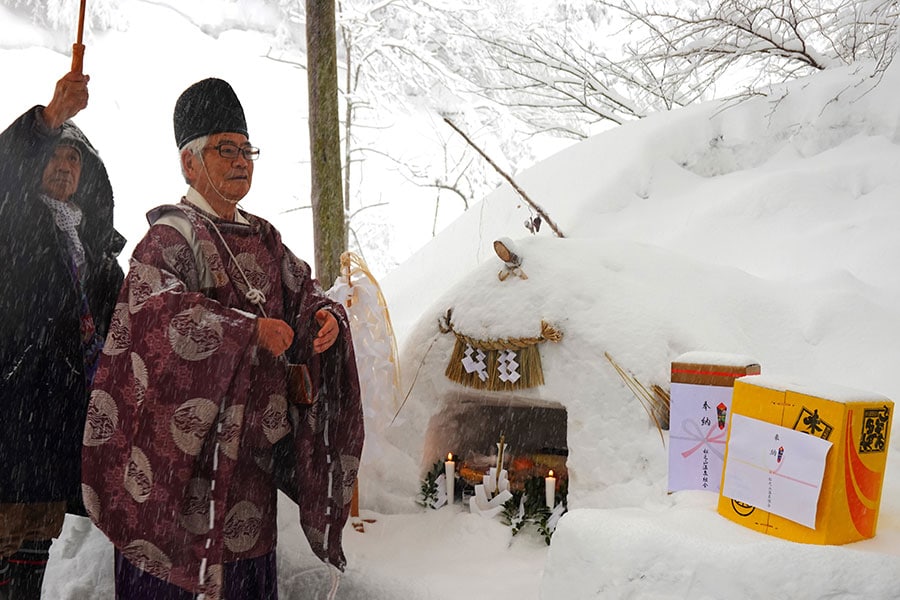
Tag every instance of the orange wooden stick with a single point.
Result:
(78, 46)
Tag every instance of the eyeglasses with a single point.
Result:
(230, 151)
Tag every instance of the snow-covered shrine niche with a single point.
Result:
(593, 317)
(483, 380)
(469, 427)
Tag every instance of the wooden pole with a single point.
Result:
(327, 198)
(78, 46)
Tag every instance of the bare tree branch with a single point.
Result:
(550, 223)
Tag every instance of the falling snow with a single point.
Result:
(765, 228)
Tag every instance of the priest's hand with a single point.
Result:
(274, 335)
(328, 330)
(69, 97)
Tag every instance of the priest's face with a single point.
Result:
(223, 171)
(62, 173)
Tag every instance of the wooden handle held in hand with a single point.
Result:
(78, 46)
(77, 58)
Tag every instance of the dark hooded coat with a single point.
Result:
(43, 395)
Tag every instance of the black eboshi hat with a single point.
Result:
(207, 107)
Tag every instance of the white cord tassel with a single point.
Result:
(255, 296)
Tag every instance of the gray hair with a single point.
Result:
(194, 148)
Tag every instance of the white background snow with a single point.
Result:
(766, 228)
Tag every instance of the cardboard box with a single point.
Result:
(699, 405)
(858, 426)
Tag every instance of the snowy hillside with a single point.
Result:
(764, 228)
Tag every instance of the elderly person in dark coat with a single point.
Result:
(60, 279)
(192, 426)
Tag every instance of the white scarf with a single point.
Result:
(67, 217)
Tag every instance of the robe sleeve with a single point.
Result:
(320, 468)
(172, 362)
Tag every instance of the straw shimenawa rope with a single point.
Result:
(527, 357)
(548, 334)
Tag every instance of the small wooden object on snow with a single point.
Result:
(507, 251)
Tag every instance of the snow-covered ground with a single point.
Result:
(765, 228)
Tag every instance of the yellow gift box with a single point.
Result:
(858, 425)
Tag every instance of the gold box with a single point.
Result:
(858, 425)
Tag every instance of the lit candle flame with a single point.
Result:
(551, 473)
(449, 456)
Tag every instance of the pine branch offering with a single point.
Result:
(527, 506)
(429, 494)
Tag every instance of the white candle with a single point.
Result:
(550, 489)
(450, 476)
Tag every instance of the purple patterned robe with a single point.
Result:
(189, 429)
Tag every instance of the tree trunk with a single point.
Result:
(325, 140)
